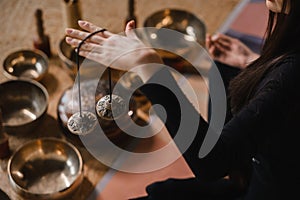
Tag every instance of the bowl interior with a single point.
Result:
(22, 101)
(179, 20)
(45, 166)
(27, 64)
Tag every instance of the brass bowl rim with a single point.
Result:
(179, 10)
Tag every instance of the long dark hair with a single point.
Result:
(282, 38)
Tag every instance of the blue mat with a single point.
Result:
(253, 42)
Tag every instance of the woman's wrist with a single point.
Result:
(147, 63)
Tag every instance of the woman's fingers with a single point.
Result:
(218, 42)
(91, 55)
(73, 33)
(223, 40)
(223, 37)
(104, 58)
(215, 49)
(87, 46)
(221, 47)
(88, 26)
(108, 48)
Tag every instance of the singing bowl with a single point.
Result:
(190, 30)
(47, 168)
(24, 103)
(32, 64)
(180, 20)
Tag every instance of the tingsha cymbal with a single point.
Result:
(110, 109)
(82, 124)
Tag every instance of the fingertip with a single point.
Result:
(68, 39)
(131, 24)
(215, 37)
(82, 22)
(68, 30)
(129, 28)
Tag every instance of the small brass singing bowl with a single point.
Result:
(47, 168)
(32, 64)
(190, 30)
(180, 20)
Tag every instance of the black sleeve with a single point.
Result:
(237, 140)
(227, 73)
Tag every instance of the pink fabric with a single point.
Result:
(124, 186)
(244, 22)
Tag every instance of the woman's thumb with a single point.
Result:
(129, 30)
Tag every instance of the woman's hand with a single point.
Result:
(229, 51)
(121, 52)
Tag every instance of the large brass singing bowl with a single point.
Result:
(46, 168)
(190, 30)
(179, 20)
